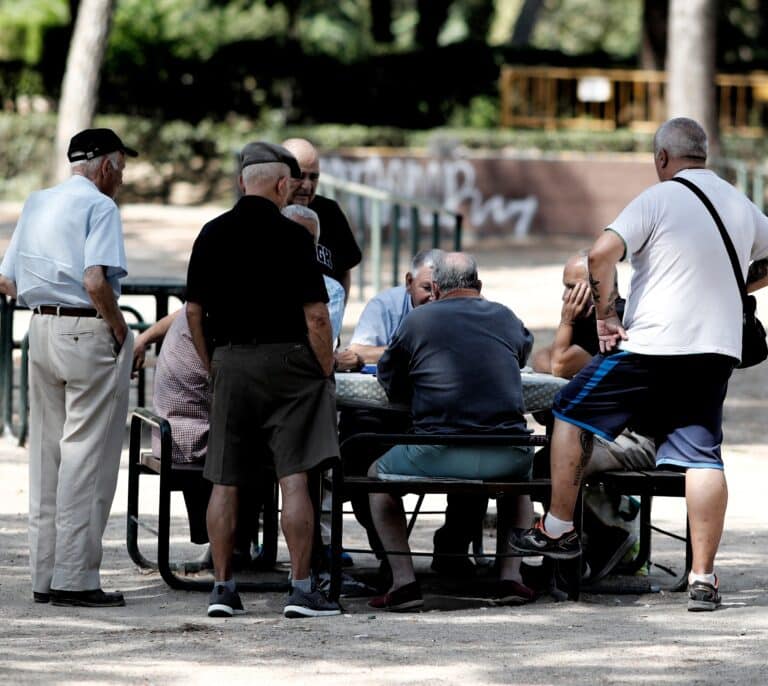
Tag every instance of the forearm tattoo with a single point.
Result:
(757, 270)
(610, 308)
(586, 441)
(594, 287)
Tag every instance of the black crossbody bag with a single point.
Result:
(754, 348)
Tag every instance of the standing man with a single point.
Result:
(64, 262)
(337, 250)
(255, 296)
(664, 371)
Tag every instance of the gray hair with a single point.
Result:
(264, 171)
(293, 211)
(89, 168)
(425, 258)
(455, 270)
(681, 137)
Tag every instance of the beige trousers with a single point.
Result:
(78, 407)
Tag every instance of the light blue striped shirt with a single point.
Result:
(61, 232)
(336, 297)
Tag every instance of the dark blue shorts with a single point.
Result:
(675, 399)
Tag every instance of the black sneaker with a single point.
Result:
(224, 603)
(537, 542)
(703, 597)
(41, 597)
(314, 604)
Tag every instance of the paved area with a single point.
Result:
(164, 637)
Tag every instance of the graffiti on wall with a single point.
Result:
(452, 183)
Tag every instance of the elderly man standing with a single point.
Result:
(64, 262)
(457, 362)
(665, 370)
(272, 359)
(337, 250)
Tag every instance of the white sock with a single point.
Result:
(706, 578)
(556, 527)
(304, 585)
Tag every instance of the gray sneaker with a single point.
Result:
(314, 604)
(224, 603)
(703, 597)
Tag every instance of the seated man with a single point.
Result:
(607, 522)
(457, 363)
(378, 323)
(182, 395)
(336, 296)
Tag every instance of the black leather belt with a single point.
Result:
(62, 311)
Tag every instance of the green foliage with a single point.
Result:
(579, 26)
(23, 24)
(481, 112)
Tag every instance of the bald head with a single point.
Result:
(454, 271)
(309, 163)
(575, 270)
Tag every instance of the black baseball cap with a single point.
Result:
(96, 142)
(261, 153)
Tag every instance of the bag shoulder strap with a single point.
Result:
(723, 234)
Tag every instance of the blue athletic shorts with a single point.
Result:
(676, 399)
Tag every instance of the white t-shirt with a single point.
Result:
(683, 297)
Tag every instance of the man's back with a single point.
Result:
(683, 298)
(457, 361)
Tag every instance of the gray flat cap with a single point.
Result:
(262, 153)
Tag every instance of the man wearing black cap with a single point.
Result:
(64, 262)
(256, 297)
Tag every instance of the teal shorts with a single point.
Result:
(452, 462)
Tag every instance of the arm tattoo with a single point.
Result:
(586, 441)
(593, 286)
(757, 270)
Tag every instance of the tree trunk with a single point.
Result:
(381, 21)
(653, 50)
(691, 65)
(432, 17)
(526, 22)
(80, 87)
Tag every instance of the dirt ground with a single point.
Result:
(164, 637)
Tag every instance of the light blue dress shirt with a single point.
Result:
(61, 232)
(382, 317)
(336, 297)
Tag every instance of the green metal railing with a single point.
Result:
(373, 211)
(748, 177)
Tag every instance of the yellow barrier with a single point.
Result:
(606, 99)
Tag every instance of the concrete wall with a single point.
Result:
(508, 196)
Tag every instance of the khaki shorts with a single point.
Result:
(271, 401)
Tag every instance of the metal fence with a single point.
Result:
(385, 223)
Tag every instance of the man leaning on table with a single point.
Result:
(270, 367)
(65, 262)
(457, 363)
(665, 370)
(379, 321)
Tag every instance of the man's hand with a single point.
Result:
(576, 303)
(609, 333)
(139, 354)
(347, 360)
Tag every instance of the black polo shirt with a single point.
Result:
(585, 330)
(252, 271)
(337, 250)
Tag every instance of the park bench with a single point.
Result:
(173, 477)
(645, 484)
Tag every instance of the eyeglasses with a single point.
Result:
(310, 176)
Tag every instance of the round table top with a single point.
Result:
(363, 390)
